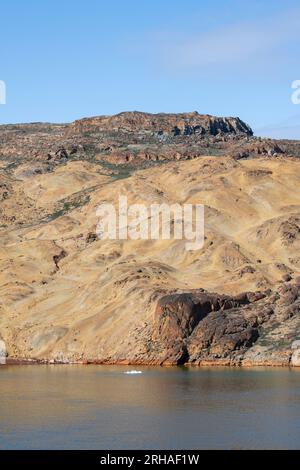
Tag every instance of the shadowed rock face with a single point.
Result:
(187, 324)
(202, 327)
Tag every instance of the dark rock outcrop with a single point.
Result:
(202, 327)
(181, 124)
(59, 257)
(184, 320)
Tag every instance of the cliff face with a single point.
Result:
(202, 328)
(184, 124)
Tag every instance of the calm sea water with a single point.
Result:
(95, 407)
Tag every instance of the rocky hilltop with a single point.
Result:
(67, 296)
(170, 125)
(135, 138)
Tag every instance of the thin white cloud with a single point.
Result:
(291, 133)
(235, 44)
(287, 129)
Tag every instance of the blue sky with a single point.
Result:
(62, 60)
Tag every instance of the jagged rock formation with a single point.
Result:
(188, 325)
(171, 125)
(204, 328)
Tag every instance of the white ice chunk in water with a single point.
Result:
(133, 372)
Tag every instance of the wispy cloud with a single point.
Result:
(235, 44)
(287, 129)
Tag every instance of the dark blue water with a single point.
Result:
(95, 407)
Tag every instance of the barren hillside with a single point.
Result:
(68, 296)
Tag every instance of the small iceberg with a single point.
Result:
(131, 372)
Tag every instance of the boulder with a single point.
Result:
(295, 359)
(187, 324)
(2, 352)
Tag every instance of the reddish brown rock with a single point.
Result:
(202, 327)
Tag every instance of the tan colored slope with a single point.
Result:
(96, 301)
(30, 199)
(63, 182)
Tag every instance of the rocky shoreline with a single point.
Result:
(205, 329)
(125, 363)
